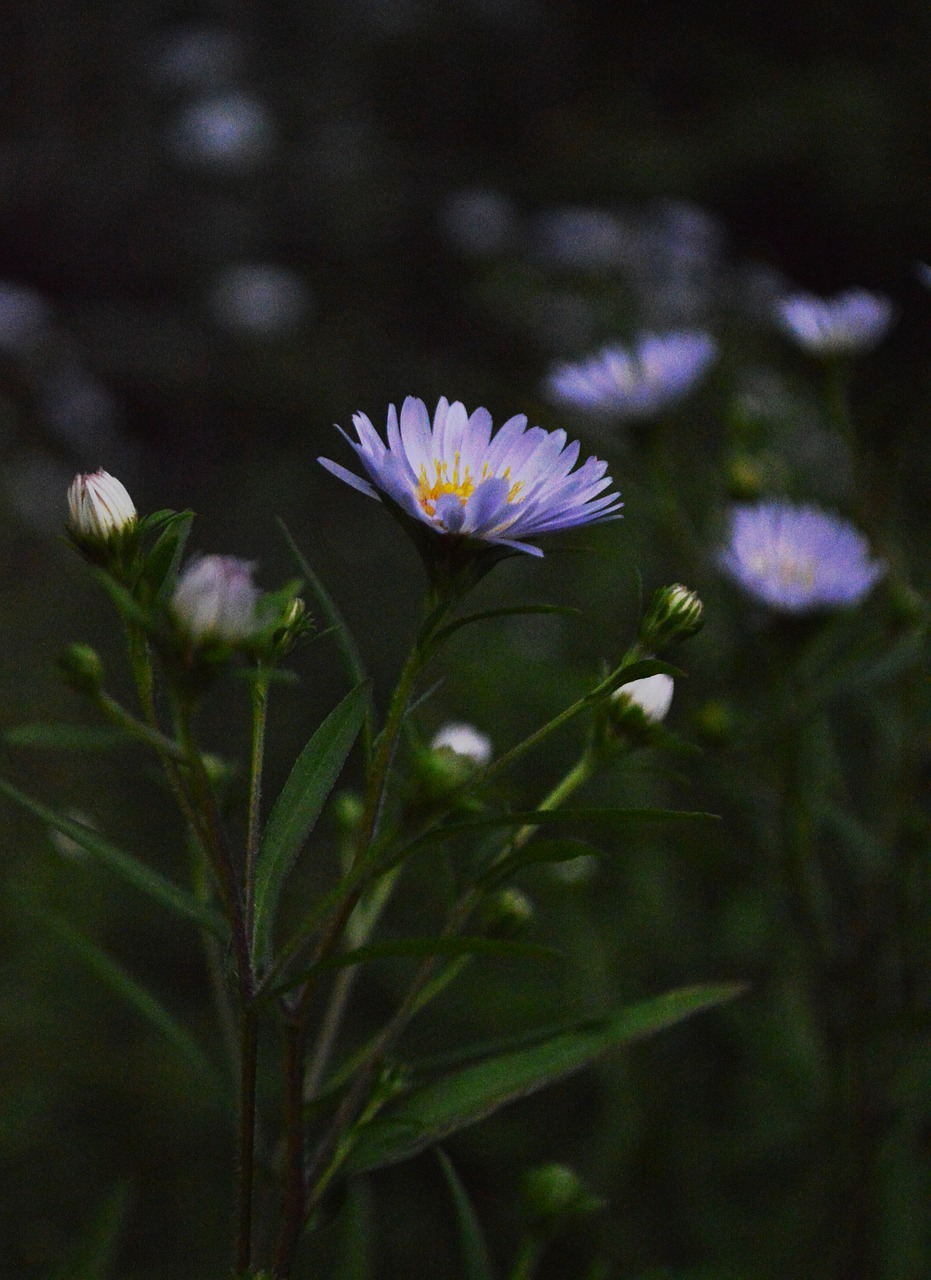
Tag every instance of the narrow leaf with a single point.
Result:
(122, 598)
(66, 737)
(134, 872)
(432, 1113)
(418, 948)
(345, 642)
(299, 804)
(165, 556)
(475, 1260)
(119, 981)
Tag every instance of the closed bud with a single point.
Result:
(82, 668)
(100, 511)
(215, 600)
(553, 1193)
(465, 741)
(649, 699)
(455, 753)
(507, 912)
(675, 613)
(348, 809)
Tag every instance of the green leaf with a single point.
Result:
(440, 637)
(93, 1256)
(298, 806)
(348, 650)
(456, 1101)
(134, 872)
(123, 599)
(119, 981)
(540, 851)
(417, 948)
(476, 1263)
(165, 556)
(66, 737)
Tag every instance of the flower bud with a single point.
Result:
(215, 599)
(552, 1193)
(99, 510)
(82, 668)
(506, 913)
(650, 697)
(464, 740)
(674, 614)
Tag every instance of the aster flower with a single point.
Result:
(639, 382)
(797, 559)
(843, 325)
(216, 599)
(454, 485)
(99, 509)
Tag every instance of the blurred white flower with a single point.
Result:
(216, 599)
(657, 372)
(99, 508)
(259, 299)
(231, 131)
(843, 325)
(25, 318)
(652, 694)
(478, 221)
(464, 740)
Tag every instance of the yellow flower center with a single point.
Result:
(789, 572)
(432, 487)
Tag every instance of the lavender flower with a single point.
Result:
(797, 559)
(843, 325)
(634, 383)
(216, 599)
(457, 480)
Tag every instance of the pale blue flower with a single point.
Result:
(456, 479)
(657, 372)
(843, 325)
(797, 559)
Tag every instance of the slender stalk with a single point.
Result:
(253, 829)
(579, 774)
(248, 1057)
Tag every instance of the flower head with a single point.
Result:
(464, 740)
(454, 480)
(843, 325)
(652, 694)
(638, 382)
(797, 559)
(675, 613)
(99, 509)
(216, 599)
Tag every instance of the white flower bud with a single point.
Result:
(652, 694)
(464, 740)
(215, 599)
(99, 509)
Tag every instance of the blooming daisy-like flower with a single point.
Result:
(453, 478)
(797, 559)
(843, 325)
(658, 371)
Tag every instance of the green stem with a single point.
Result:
(526, 1261)
(248, 1057)
(579, 774)
(254, 825)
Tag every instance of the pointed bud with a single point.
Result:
(215, 599)
(674, 614)
(100, 511)
(82, 668)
